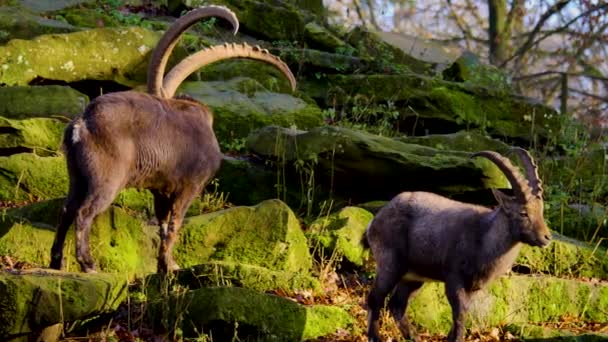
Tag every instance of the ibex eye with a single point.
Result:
(523, 214)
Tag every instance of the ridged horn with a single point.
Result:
(531, 171)
(518, 183)
(160, 56)
(216, 53)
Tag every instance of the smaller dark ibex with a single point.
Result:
(420, 236)
(147, 140)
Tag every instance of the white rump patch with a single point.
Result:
(76, 132)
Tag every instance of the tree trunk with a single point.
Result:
(497, 31)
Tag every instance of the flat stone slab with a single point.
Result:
(229, 311)
(32, 300)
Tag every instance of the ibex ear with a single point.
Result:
(503, 199)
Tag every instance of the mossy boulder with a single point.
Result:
(115, 54)
(320, 37)
(226, 312)
(223, 273)
(87, 17)
(469, 141)
(566, 257)
(17, 23)
(268, 76)
(540, 333)
(341, 233)
(431, 106)
(237, 175)
(39, 135)
(369, 44)
(514, 300)
(27, 176)
(50, 6)
(34, 299)
(41, 101)
(280, 20)
(242, 105)
(120, 243)
(267, 235)
(314, 63)
(380, 166)
(469, 70)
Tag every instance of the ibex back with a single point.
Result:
(153, 141)
(420, 236)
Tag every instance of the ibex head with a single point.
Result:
(525, 208)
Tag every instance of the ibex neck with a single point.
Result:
(499, 248)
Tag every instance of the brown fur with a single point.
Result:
(131, 139)
(420, 236)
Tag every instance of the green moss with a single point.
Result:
(268, 76)
(35, 101)
(470, 141)
(87, 17)
(281, 20)
(27, 176)
(514, 300)
(267, 235)
(468, 69)
(119, 54)
(319, 36)
(443, 104)
(258, 316)
(239, 107)
(16, 23)
(566, 257)
(36, 299)
(40, 135)
(221, 273)
(341, 233)
(119, 242)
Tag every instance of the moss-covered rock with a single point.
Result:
(469, 70)
(87, 17)
(236, 176)
(26, 176)
(314, 62)
(341, 233)
(380, 166)
(16, 23)
(566, 257)
(268, 76)
(280, 20)
(431, 106)
(470, 141)
(319, 37)
(540, 333)
(369, 44)
(267, 235)
(222, 273)
(119, 242)
(38, 135)
(117, 54)
(242, 105)
(225, 312)
(35, 299)
(41, 101)
(515, 299)
(50, 6)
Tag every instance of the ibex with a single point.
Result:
(420, 236)
(147, 140)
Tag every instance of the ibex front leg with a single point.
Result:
(459, 299)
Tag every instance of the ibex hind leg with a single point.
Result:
(71, 205)
(97, 200)
(180, 203)
(386, 279)
(397, 305)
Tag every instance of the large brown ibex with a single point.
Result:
(152, 141)
(420, 236)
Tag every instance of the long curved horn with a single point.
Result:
(160, 56)
(216, 53)
(520, 187)
(531, 171)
